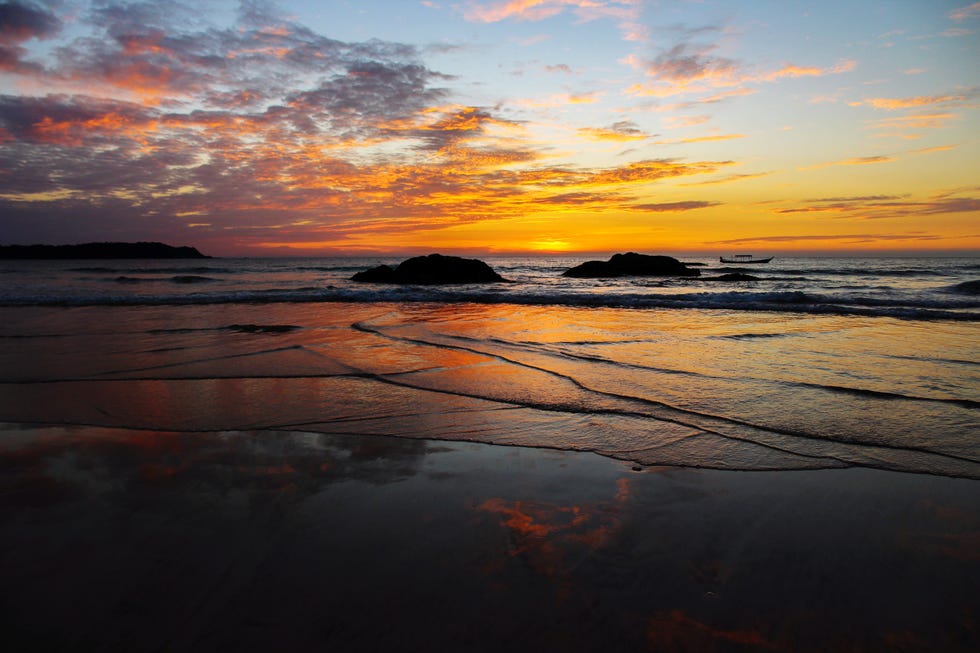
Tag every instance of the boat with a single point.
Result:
(744, 259)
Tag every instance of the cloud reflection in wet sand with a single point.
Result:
(250, 540)
(552, 538)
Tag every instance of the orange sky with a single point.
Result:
(493, 127)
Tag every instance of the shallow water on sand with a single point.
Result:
(704, 388)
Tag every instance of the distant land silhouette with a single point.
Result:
(98, 250)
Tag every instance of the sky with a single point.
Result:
(357, 127)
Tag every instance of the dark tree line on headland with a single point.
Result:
(98, 250)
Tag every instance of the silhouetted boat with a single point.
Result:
(744, 259)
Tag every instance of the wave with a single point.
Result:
(780, 439)
(179, 279)
(191, 278)
(776, 301)
(239, 328)
(164, 270)
(330, 268)
(591, 358)
(852, 272)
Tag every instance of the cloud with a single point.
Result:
(560, 100)
(849, 238)
(793, 71)
(559, 68)
(936, 148)
(267, 133)
(853, 161)
(675, 206)
(673, 122)
(22, 21)
(702, 139)
(892, 104)
(907, 126)
(955, 32)
(859, 198)
(932, 112)
(688, 67)
(863, 160)
(965, 13)
(876, 207)
(624, 130)
(727, 179)
(534, 10)
(685, 65)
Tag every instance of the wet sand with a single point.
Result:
(140, 540)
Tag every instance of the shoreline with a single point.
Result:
(667, 388)
(256, 539)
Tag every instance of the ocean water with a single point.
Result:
(918, 288)
(819, 363)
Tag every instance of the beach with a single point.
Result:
(422, 472)
(489, 325)
(257, 540)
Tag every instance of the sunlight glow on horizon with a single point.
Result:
(534, 126)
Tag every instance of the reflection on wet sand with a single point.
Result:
(675, 632)
(257, 540)
(552, 538)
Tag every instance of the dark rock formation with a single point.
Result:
(98, 251)
(432, 270)
(966, 288)
(379, 274)
(632, 265)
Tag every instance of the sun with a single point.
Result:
(550, 245)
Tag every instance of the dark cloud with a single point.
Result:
(368, 94)
(22, 21)
(886, 206)
(686, 62)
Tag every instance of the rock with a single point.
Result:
(632, 265)
(380, 274)
(966, 288)
(431, 270)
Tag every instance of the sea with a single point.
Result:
(823, 362)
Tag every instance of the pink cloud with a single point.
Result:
(964, 13)
(533, 10)
(689, 68)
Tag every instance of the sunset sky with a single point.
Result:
(492, 126)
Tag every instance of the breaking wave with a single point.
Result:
(778, 301)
